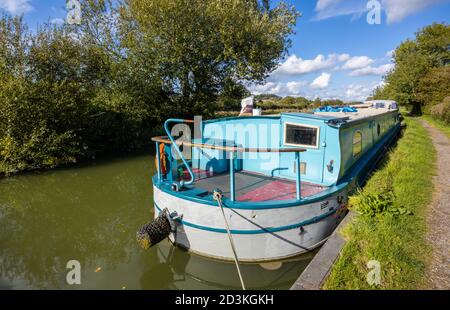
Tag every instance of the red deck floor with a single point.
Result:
(279, 190)
(252, 187)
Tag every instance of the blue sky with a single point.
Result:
(335, 52)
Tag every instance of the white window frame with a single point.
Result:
(301, 125)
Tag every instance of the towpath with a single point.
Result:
(438, 218)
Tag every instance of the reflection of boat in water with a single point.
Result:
(285, 179)
(188, 271)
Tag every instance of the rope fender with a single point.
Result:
(155, 231)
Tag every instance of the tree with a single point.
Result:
(414, 59)
(434, 87)
(287, 101)
(410, 67)
(72, 91)
(196, 47)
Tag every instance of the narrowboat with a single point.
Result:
(263, 188)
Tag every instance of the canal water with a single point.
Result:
(91, 214)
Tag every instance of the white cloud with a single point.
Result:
(16, 7)
(322, 81)
(295, 87)
(397, 10)
(369, 70)
(268, 88)
(357, 62)
(347, 93)
(57, 21)
(292, 88)
(331, 8)
(343, 57)
(357, 92)
(295, 77)
(296, 65)
(390, 54)
(325, 4)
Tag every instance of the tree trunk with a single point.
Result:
(416, 108)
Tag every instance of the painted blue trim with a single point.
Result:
(256, 231)
(166, 128)
(232, 185)
(298, 184)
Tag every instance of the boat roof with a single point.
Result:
(317, 116)
(353, 116)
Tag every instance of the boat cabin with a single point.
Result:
(289, 157)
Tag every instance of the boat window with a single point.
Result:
(301, 135)
(378, 129)
(357, 143)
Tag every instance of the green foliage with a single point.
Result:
(71, 92)
(197, 47)
(434, 87)
(420, 64)
(371, 204)
(273, 104)
(441, 111)
(264, 97)
(376, 204)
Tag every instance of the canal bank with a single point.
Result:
(391, 226)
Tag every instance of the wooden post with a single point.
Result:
(158, 159)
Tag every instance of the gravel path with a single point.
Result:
(438, 219)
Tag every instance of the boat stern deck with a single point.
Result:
(254, 187)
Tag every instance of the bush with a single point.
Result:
(434, 87)
(442, 111)
(376, 204)
(371, 203)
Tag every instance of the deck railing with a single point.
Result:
(232, 150)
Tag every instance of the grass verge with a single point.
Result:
(392, 235)
(438, 124)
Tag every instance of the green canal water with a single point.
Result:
(91, 214)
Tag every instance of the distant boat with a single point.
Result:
(284, 179)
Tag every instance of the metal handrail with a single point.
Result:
(172, 141)
(232, 149)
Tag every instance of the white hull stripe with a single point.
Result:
(256, 231)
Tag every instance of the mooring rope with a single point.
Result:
(218, 197)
